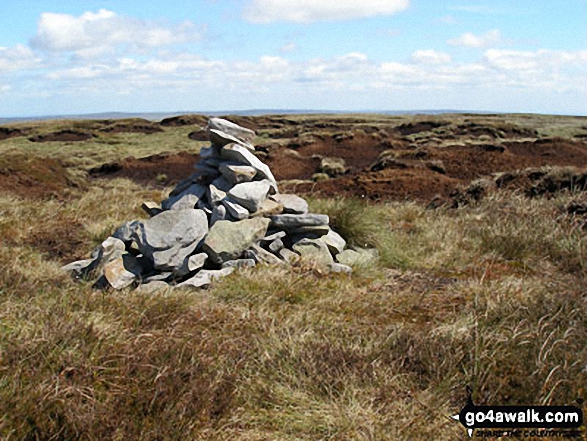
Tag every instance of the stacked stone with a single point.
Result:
(229, 214)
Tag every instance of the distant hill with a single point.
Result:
(157, 116)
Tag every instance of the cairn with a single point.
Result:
(227, 215)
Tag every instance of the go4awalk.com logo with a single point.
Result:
(537, 421)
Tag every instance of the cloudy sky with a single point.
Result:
(71, 56)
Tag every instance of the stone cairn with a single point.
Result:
(229, 214)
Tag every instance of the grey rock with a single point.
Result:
(240, 263)
(122, 272)
(358, 258)
(230, 128)
(79, 268)
(220, 139)
(272, 237)
(288, 255)
(183, 202)
(191, 264)
(262, 256)
(125, 231)
(276, 246)
(308, 232)
(236, 174)
(218, 213)
(240, 154)
(109, 250)
(215, 195)
(334, 242)
(196, 190)
(205, 277)
(268, 208)
(292, 204)
(151, 208)
(289, 222)
(213, 162)
(314, 250)
(340, 268)
(227, 240)
(250, 194)
(234, 210)
(170, 237)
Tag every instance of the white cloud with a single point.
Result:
(290, 47)
(17, 58)
(94, 33)
(307, 11)
(430, 56)
(477, 41)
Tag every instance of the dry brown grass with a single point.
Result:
(491, 295)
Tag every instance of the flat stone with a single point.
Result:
(220, 139)
(314, 250)
(292, 204)
(276, 246)
(236, 174)
(196, 190)
(334, 242)
(239, 263)
(340, 268)
(171, 236)
(250, 194)
(218, 213)
(205, 277)
(227, 240)
(122, 272)
(272, 237)
(184, 202)
(262, 256)
(360, 257)
(308, 232)
(288, 255)
(79, 268)
(240, 154)
(292, 221)
(235, 210)
(230, 128)
(268, 208)
(151, 208)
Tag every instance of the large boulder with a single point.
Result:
(314, 250)
(292, 204)
(240, 154)
(170, 237)
(250, 195)
(228, 240)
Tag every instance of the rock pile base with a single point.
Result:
(227, 215)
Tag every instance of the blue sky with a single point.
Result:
(68, 56)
